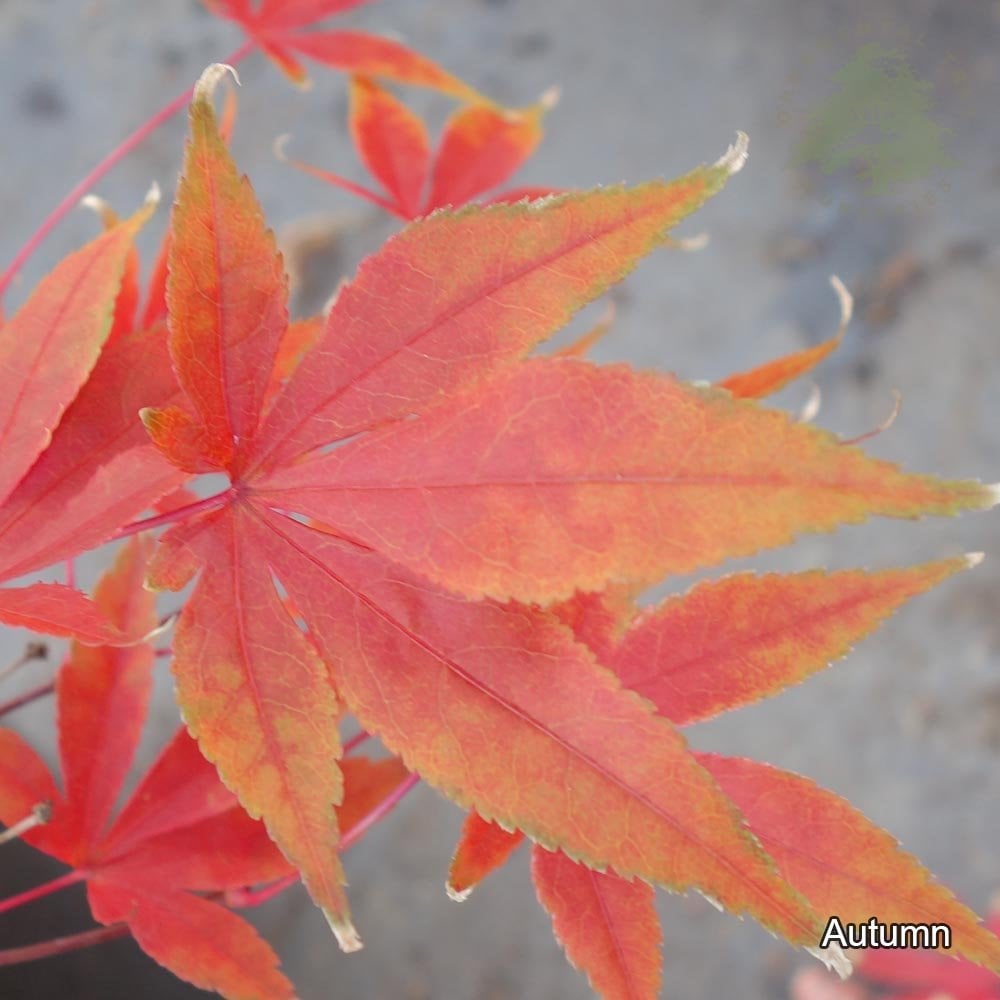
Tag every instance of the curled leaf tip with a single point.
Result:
(810, 408)
(973, 559)
(152, 195)
(347, 937)
(834, 958)
(712, 901)
(550, 98)
(690, 243)
(846, 304)
(732, 159)
(280, 144)
(458, 895)
(210, 78)
(96, 204)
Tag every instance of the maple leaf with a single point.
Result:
(63, 444)
(730, 642)
(181, 834)
(481, 146)
(281, 29)
(181, 830)
(516, 479)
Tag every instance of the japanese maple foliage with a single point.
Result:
(474, 499)
(480, 148)
(287, 30)
(429, 530)
(181, 842)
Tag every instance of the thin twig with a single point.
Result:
(39, 816)
(27, 698)
(111, 160)
(61, 945)
(40, 891)
(32, 651)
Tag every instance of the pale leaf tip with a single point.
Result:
(973, 559)
(280, 145)
(343, 930)
(992, 491)
(96, 204)
(458, 895)
(550, 98)
(209, 80)
(690, 244)
(153, 195)
(733, 159)
(846, 303)
(834, 958)
(810, 408)
(712, 901)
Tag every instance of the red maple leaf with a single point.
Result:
(182, 841)
(285, 31)
(720, 646)
(467, 480)
(63, 356)
(481, 147)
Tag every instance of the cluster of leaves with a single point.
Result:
(430, 530)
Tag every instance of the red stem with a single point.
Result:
(110, 161)
(27, 698)
(61, 945)
(179, 514)
(382, 810)
(356, 189)
(39, 891)
(355, 741)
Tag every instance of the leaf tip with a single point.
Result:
(153, 196)
(992, 491)
(733, 159)
(689, 244)
(94, 203)
(280, 145)
(550, 98)
(345, 933)
(973, 559)
(458, 895)
(846, 301)
(834, 958)
(209, 80)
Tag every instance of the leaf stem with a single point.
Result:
(32, 651)
(39, 816)
(110, 161)
(379, 813)
(356, 740)
(40, 891)
(171, 516)
(27, 698)
(61, 945)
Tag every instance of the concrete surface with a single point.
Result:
(909, 726)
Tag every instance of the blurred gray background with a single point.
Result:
(874, 139)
